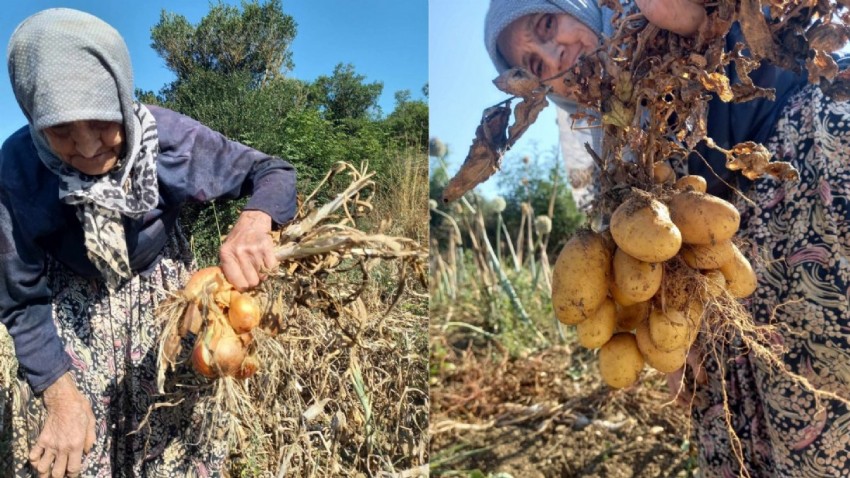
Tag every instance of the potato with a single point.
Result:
(696, 183)
(618, 296)
(708, 256)
(636, 280)
(703, 218)
(658, 359)
(599, 327)
(620, 361)
(663, 173)
(642, 228)
(716, 283)
(580, 277)
(741, 280)
(669, 330)
(631, 316)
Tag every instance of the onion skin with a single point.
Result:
(206, 280)
(191, 321)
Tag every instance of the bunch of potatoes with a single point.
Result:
(609, 284)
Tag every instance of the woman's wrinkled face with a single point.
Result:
(546, 44)
(91, 147)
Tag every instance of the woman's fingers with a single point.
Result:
(91, 436)
(248, 250)
(35, 454)
(45, 463)
(75, 464)
(678, 16)
(60, 464)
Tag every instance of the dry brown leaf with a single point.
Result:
(485, 154)
(519, 82)
(753, 160)
(821, 66)
(756, 31)
(827, 37)
(525, 114)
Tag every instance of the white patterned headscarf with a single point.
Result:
(66, 65)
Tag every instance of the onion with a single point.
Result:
(229, 354)
(249, 367)
(202, 359)
(206, 280)
(244, 314)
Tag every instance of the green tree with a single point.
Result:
(537, 179)
(254, 39)
(408, 123)
(345, 95)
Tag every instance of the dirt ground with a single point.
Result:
(547, 414)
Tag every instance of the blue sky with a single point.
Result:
(385, 40)
(461, 86)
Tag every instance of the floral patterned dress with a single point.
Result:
(112, 339)
(798, 239)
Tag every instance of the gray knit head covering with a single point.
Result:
(66, 65)
(503, 12)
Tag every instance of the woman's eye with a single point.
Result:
(61, 130)
(544, 25)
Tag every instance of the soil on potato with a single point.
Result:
(548, 414)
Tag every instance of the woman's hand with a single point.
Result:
(248, 250)
(678, 16)
(679, 388)
(68, 431)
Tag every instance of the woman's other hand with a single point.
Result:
(248, 250)
(68, 433)
(678, 16)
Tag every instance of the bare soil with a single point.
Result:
(547, 414)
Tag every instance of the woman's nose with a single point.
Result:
(87, 140)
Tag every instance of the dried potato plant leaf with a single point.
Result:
(485, 154)
(718, 83)
(754, 25)
(519, 82)
(525, 114)
(753, 160)
(828, 37)
(839, 88)
(822, 65)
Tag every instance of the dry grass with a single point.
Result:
(342, 388)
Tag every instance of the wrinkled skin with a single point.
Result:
(68, 433)
(248, 250)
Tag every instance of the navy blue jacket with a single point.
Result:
(195, 164)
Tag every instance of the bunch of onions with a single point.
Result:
(223, 319)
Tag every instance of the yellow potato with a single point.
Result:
(669, 330)
(619, 297)
(663, 173)
(703, 218)
(631, 316)
(716, 283)
(708, 256)
(599, 327)
(580, 277)
(741, 280)
(620, 361)
(642, 228)
(697, 183)
(636, 280)
(658, 359)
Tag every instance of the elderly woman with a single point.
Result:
(799, 231)
(90, 193)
